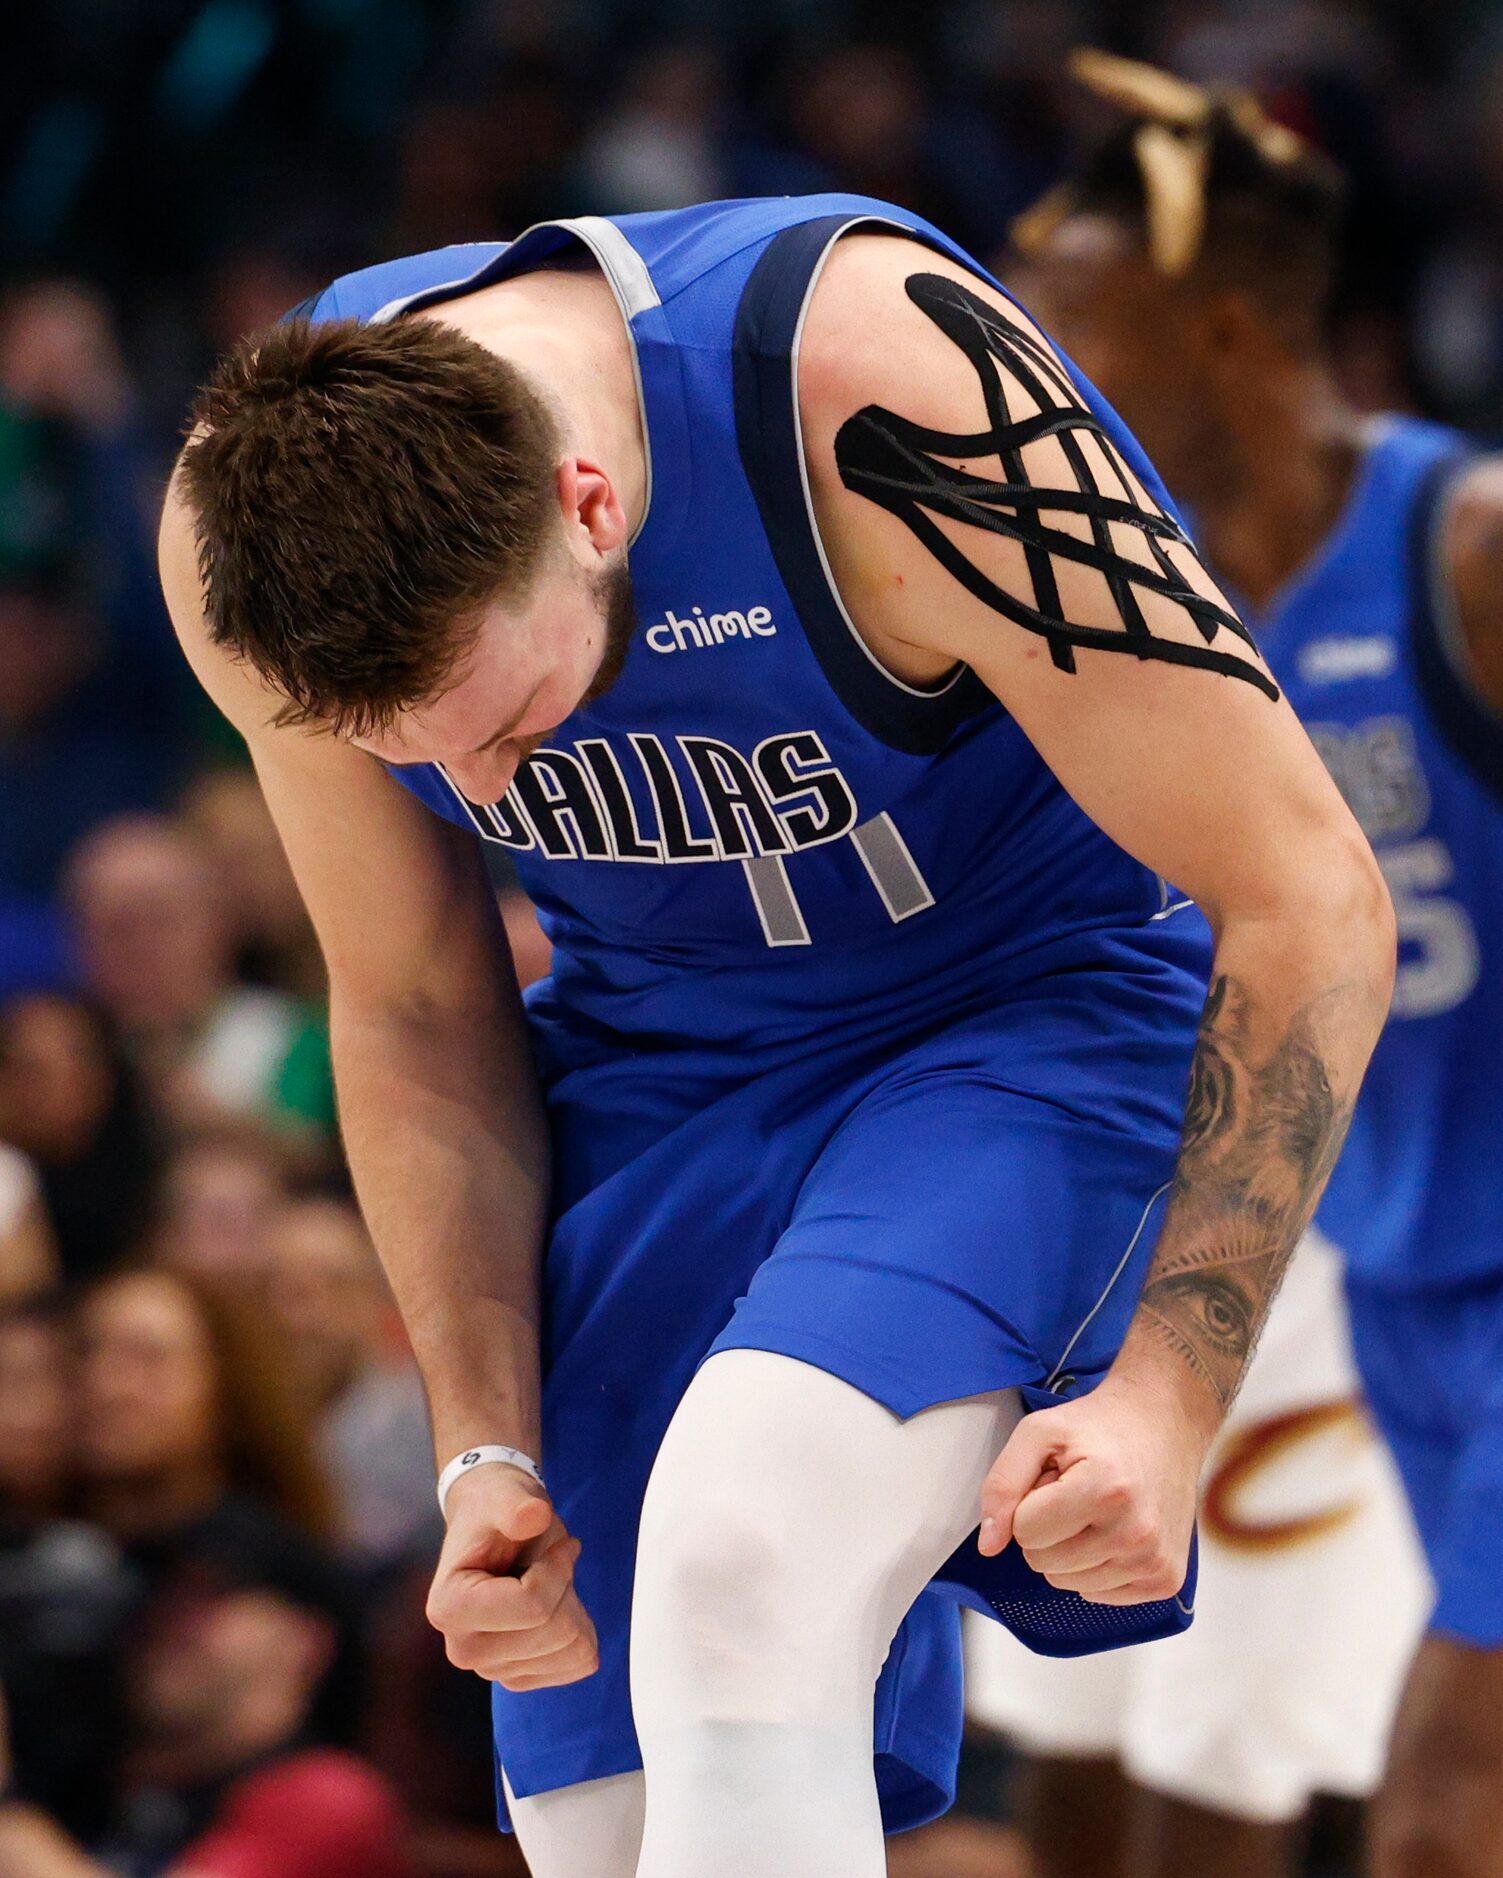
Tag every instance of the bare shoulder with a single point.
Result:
(1474, 522)
(978, 509)
(304, 759)
(250, 705)
(1479, 490)
(1474, 544)
(872, 322)
(399, 898)
(879, 340)
(961, 479)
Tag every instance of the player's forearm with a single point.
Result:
(1296, 1003)
(447, 1144)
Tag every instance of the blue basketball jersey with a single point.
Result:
(863, 1045)
(1366, 645)
(759, 831)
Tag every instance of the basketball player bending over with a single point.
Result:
(849, 1123)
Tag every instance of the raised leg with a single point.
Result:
(789, 1524)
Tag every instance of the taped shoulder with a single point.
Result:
(940, 402)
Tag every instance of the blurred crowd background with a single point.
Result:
(216, 1509)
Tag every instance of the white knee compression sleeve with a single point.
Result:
(789, 1524)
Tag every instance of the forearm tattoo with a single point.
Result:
(1261, 1136)
(900, 465)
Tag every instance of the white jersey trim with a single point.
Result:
(913, 691)
(626, 275)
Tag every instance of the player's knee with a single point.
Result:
(717, 1610)
(712, 1570)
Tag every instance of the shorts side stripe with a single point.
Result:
(1085, 1322)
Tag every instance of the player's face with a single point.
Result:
(531, 665)
(1135, 335)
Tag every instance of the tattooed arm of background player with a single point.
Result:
(1474, 544)
(974, 511)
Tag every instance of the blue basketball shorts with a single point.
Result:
(1432, 1366)
(965, 1207)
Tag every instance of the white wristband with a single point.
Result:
(479, 1457)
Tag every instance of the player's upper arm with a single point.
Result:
(974, 511)
(1474, 527)
(399, 898)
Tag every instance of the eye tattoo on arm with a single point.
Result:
(1262, 1131)
(899, 465)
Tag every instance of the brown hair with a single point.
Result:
(265, 1418)
(359, 492)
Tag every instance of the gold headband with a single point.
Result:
(1172, 146)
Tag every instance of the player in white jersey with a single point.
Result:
(1365, 555)
(1311, 1600)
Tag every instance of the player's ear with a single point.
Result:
(594, 519)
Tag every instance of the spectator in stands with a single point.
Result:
(28, 1252)
(63, 1586)
(191, 1418)
(427, 1727)
(250, 289)
(157, 946)
(273, 936)
(372, 1433)
(93, 701)
(492, 156)
(59, 358)
(36, 1415)
(194, 1443)
(48, 642)
(1460, 293)
(220, 1193)
(872, 121)
(659, 146)
(220, 1778)
(70, 1102)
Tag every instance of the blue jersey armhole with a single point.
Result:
(767, 322)
(305, 309)
(1472, 731)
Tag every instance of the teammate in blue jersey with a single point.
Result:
(1188, 267)
(863, 1063)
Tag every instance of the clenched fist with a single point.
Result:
(1100, 1494)
(503, 1595)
